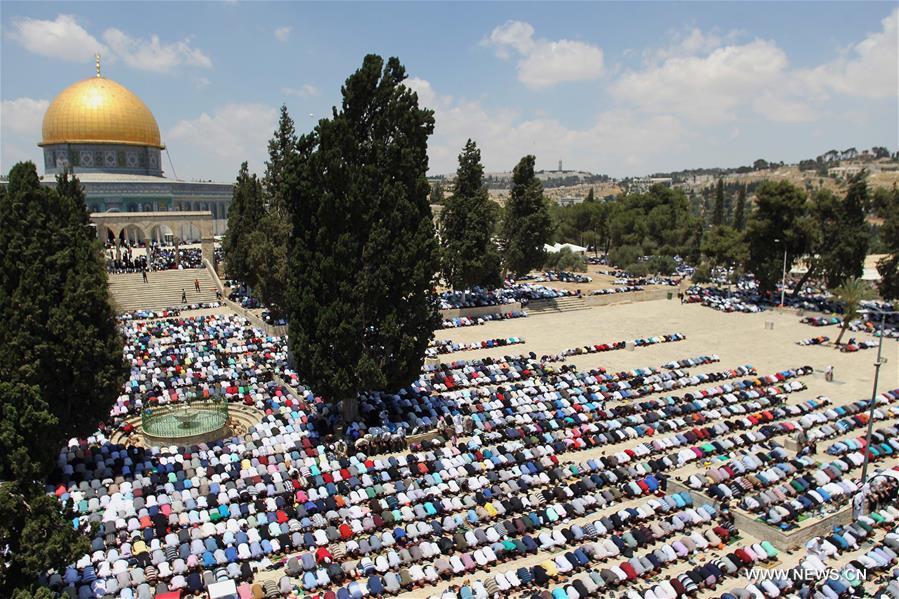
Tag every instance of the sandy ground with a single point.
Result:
(737, 338)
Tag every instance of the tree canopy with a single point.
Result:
(780, 214)
(281, 149)
(658, 222)
(888, 266)
(724, 246)
(61, 363)
(586, 223)
(740, 210)
(244, 215)
(469, 256)
(718, 215)
(362, 306)
(526, 223)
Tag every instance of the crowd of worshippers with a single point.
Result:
(511, 292)
(240, 293)
(625, 278)
(821, 574)
(472, 321)
(554, 275)
(615, 290)
(123, 260)
(170, 518)
(447, 346)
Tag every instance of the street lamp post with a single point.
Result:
(877, 364)
(783, 279)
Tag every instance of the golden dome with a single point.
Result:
(98, 110)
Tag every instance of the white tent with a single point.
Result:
(557, 247)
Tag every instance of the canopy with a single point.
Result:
(557, 247)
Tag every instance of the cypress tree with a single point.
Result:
(244, 214)
(718, 216)
(469, 256)
(527, 224)
(281, 148)
(60, 362)
(363, 257)
(436, 194)
(740, 210)
(849, 238)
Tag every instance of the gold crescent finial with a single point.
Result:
(97, 56)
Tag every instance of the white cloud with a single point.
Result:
(704, 88)
(427, 97)
(202, 82)
(20, 130)
(304, 91)
(542, 62)
(516, 35)
(867, 69)
(215, 144)
(63, 38)
(615, 141)
(23, 115)
(153, 55)
(782, 109)
(282, 34)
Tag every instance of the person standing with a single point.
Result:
(183, 297)
(197, 285)
(144, 275)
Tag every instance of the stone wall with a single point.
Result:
(654, 293)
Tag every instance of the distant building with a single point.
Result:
(642, 184)
(845, 171)
(570, 200)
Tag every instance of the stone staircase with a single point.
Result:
(556, 305)
(162, 289)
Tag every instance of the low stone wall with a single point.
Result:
(656, 293)
(480, 311)
(763, 531)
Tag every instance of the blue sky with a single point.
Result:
(616, 88)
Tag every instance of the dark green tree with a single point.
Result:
(436, 198)
(888, 266)
(469, 256)
(724, 246)
(281, 149)
(61, 363)
(364, 256)
(526, 224)
(848, 239)
(590, 196)
(718, 215)
(740, 210)
(267, 255)
(778, 223)
(244, 214)
(658, 222)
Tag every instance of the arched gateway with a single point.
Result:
(147, 223)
